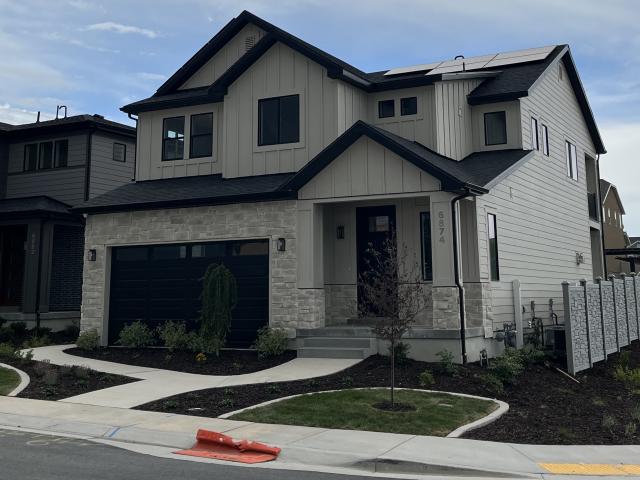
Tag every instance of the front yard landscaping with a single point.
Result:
(431, 413)
(8, 380)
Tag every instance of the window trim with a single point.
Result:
(124, 155)
(425, 277)
(259, 122)
(534, 130)
(545, 140)
(388, 100)
(571, 153)
(24, 160)
(164, 140)
(506, 140)
(492, 217)
(402, 99)
(192, 136)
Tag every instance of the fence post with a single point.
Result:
(635, 296)
(517, 310)
(583, 282)
(615, 309)
(568, 329)
(626, 306)
(604, 338)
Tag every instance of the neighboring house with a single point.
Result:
(45, 168)
(615, 237)
(634, 242)
(285, 163)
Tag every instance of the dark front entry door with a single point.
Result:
(12, 256)
(374, 225)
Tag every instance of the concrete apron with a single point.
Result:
(305, 448)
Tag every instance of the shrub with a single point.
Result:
(37, 341)
(88, 340)
(629, 376)
(201, 358)
(446, 363)
(7, 351)
(174, 335)
(81, 372)
(635, 413)
(219, 297)
(19, 329)
(630, 429)
(533, 356)
(609, 423)
(71, 331)
(508, 366)
(51, 377)
(210, 345)
(624, 359)
(136, 335)
(41, 368)
(426, 379)
(271, 342)
(493, 384)
(401, 352)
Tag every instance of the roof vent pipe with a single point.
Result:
(458, 57)
(38, 117)
(60, 107)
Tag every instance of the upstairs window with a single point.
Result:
(201, 135)
(495, 128)
(61, 153)
(535, 143)
(119, 152)
(409, 106)
(279, 120)
(173, 138)
(545, 140)
(572, 160)
(46, 155)
(494, 264)
(386, 109)
(425, 243)
(30, 157)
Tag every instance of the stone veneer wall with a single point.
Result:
(478, 303)
(290, 307)
(446, 307)
(341, 303)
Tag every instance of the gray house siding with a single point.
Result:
(4, 161)
(106, 173)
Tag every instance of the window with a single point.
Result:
(201, 136)
(119, 152)
(61, 153)
(46, 155)
(386, 109)
(425, 244)
(30, 157)
(173, 138)
(169, 252)
(572, 160)
(545, 140)
(535, 144)
(379, 223)
(279, 120)
(409, 106)
(495, 128)
(493, 247)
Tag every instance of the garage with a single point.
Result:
(156, 283)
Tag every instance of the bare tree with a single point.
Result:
(391, 293)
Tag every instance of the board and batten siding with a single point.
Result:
(514, 125)
(63, 184)
(149, 163)
(454, 132)
(367, 168)
(224, 58)
(542, 216)
(106, 173)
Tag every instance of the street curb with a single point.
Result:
(24, 380)
(503, 407)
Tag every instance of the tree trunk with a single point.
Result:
(393, 371)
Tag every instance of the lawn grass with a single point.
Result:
(8, 380)
(436, 413)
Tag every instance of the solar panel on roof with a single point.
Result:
(413, 69)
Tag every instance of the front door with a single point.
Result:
(12, 257)
(374, 225)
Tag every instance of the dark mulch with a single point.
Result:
(546, 407)
(65, 382)
(230, 362)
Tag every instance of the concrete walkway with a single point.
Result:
(310, 448)
(156, 383)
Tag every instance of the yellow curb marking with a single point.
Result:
(591, 469)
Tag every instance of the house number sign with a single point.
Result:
(442, 225)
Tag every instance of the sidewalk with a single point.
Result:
(306, 447)
(156, 383)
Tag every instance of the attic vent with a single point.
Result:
(560, 72)
(249, 42)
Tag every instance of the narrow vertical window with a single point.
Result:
(425, 243)
(173, 138)
(495, 128)
(46, 155)
(201, 135)
(61, 153)
(572, 160)
(494, 264)
(535, 144)
(545, 140)
(30, 157)
(119, 152)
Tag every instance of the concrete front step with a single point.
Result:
(335, 342)
(321, 352)
(337, 331)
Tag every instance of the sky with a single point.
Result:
(97, 55)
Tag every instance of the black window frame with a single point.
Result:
(414, 105)
(534, 131)
(200, 135)
(165, 139)
(41, 146)
(381, 104)
(124, 152)
(545, 140)
(56, 151)
(487, 115)
(279, 140)
(494, 263)
(427, 263)
(571, 152)
(25, 159)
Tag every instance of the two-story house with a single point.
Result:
(45, 168)
(287, 164)
(615, 238)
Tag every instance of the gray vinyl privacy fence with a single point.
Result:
(600, 319)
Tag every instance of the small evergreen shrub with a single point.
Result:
(7, 351)
(508, 366)
(271, 342)
(81, 372)
(88, 340)
(71, 331)
(493, 384)
(629, 376)
(174, 335)
(37, 341)
(401, 352)
(426, 379)
(446, 363)
(136, 335)
(19, 329)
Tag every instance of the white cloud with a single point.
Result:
(154, 77)
(120, 28)
(16, 116)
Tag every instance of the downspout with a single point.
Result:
(456, 273)
(135, 153)
(600, 207)
(87, 167)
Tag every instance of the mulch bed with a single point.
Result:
(65, 382)
(230, 362)
(546, 407)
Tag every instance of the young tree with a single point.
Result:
(219, 297)
(391, 292)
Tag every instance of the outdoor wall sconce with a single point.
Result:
(579, 258)
(91, 255)
(281, 245)
(340, 232)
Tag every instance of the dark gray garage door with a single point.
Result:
(164, 282)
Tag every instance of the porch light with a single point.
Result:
(340, 232)
(91, 255)
(281, 245)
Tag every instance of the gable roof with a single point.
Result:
(478, 172)
(605, 188)
(38, 206)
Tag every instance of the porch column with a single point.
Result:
(311, 301)
(446, 313)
